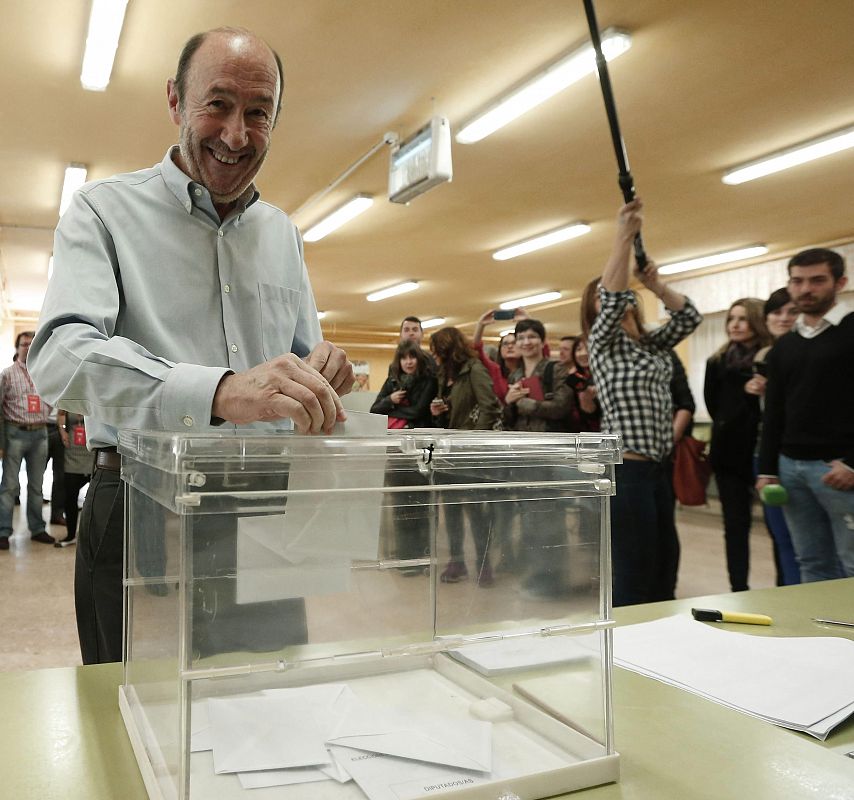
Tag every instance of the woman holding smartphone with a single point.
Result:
(406, 395)
(508, 357)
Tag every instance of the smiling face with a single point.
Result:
(738, 326)
(529, 345)
(226, 115)
(781, 320)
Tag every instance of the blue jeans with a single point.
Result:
(820, 519)
(31, 447)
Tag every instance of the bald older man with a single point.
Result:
(181, 302)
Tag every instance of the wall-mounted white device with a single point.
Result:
(420, 162)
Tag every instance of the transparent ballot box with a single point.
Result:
(419, 614)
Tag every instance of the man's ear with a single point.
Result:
(173, 100)
(841, 283)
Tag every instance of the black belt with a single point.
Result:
(108, 458)
(35, 426)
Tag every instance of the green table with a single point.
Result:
(63, 738)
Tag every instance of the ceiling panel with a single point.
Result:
(706, 85)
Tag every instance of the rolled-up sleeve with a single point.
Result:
(609, 320)
(682, 323)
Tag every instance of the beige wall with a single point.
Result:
(378, 360)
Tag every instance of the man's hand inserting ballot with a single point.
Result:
(284, 388)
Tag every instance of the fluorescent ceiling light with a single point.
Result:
(433, 322)
(321, 314)
(75, 177)
(400, 288)
(341, 216)
(713, 260)
(102, 41)
(800, 154)
(545, 240)
(502, 334)
(533, 300)
(553, 79)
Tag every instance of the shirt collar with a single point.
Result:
(833, 317)
(838, 312)
(184, 187)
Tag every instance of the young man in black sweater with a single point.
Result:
(808, 426)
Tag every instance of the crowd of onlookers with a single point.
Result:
(778, 392)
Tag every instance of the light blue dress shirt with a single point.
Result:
(153, 300)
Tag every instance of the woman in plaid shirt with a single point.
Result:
(632, 369)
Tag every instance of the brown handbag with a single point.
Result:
(691, 471)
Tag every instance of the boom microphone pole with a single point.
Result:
(625, 179)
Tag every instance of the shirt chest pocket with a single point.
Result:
(279, 309)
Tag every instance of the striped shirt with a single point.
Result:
(633, 376)
(16, 388)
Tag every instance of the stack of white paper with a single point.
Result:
(289, 736)
(801, 683)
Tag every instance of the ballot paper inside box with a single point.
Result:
(289, 633)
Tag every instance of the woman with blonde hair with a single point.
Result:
(735, 422)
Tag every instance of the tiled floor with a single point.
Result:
(36, 587)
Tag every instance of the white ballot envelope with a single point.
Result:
(386, 778)
(456, 742)
(263, 779)
(253, 733)
(266, 572)
(309, 549)
(329, 702)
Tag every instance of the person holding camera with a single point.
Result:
(632, 369)
(735, 424)
(586, 413)
(508, 357)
